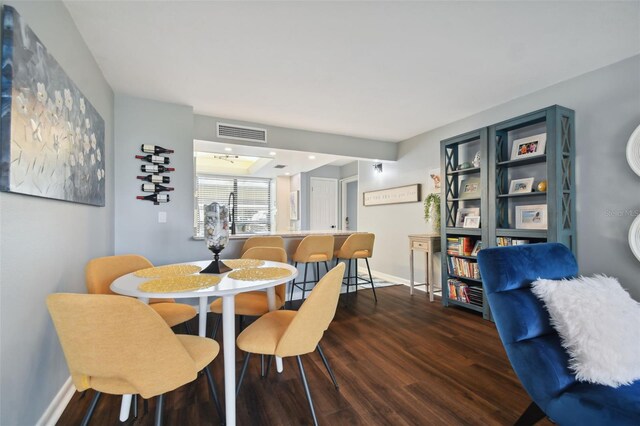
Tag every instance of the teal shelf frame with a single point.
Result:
(557, 164)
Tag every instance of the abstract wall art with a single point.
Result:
(51, 137)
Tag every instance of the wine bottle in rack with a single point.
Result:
(156, 198)
(155, 159)
(152, 187)
(155, 168)
(155, 149)
(155, 178)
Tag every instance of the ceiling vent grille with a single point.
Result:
(241, 133)
(279, 166)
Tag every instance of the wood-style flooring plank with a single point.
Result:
(401, 361)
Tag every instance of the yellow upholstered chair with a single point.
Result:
(312, 249)
(295, 333)
(262, 241)
(119, 345)
(357, 246)
(102, 271)
(254, 303)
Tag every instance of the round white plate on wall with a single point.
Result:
(633, 151)
(634, 237)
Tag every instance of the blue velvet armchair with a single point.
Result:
(533, 346)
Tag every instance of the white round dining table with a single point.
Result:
(227, 289)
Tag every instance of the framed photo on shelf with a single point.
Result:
(471, 222)
(519, 186)
(532, 146)
(464, 212)
(531, 217)
(476, 248)
(469, 188)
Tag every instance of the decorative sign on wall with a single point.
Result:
(154, 182)
(401, 194)
(52, 138)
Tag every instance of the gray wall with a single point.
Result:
(607, 105)
(45, 244)
(204, 128)
(349, 170)
(352, 205)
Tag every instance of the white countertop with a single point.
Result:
(293, 234)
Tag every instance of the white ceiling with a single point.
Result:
(295, 161)
(383, 70)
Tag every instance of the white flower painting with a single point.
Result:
(51, 137)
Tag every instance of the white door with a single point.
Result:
(324, 204)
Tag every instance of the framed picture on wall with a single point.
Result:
(293, 205)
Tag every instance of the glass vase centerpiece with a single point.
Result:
(216, 235)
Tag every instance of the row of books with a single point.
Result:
(463, 292)
(463, 246)
(508, 241)
(463, 267)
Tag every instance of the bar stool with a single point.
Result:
(262, 241)
(312, 249)
(357, 246)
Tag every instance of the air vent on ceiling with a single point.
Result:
(279, 166)
(241, 133)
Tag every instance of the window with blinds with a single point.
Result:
(252, 201)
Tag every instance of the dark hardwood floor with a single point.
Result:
(402, 361)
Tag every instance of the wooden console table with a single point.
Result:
(429, 244)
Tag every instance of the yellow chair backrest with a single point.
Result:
(102, 271)
(262, 241)
(357, 245)
(274, 254)
(314, 316)
(314, 245)
(119, 342)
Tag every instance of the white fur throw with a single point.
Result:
(599, 324)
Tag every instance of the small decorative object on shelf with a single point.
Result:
(155, 168)
(476, 160)
(519, 186)
(476, 248)
(531, 146)
(155, 149)
(471, 222)
(155, 178)
(152, 187)
(155, 159)
(464, 212)
(156, 198)
(542, 186)
(216, 235)
(465, 165)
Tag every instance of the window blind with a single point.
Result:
(252, 201)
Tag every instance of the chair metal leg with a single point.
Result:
(135, 406)
(355, 273)
(373, 287)
(145, 405)
(304, 284)
(187, 327)
(348, 276)
(293, 285)
(240, 323)
(216, 326)
(532, 415)
(326, 266)
(261, 365)
(214, 393)
(269, 359)
(159, 404)
(317, 272)
(244, 370)
(306, 390)
(92, 407)
(326, 364)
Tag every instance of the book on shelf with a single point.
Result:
(508, 241)
(460, 246)
(463, 267)
(464, 292)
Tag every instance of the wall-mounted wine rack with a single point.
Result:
(154, 182)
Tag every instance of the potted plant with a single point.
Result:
(432, 210)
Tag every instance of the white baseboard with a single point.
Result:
(390, 278)
(53, 412)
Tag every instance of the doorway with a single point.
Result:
(349, 204)
(323, 204)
